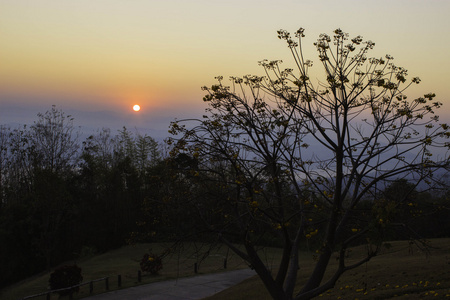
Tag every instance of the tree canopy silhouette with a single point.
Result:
(284, 158)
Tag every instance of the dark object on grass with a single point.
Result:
(151, 263)
(64, 277)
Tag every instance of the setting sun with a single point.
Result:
(136, 108)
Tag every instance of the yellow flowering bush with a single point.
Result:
(151, 263)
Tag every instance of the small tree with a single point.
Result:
(288, 159)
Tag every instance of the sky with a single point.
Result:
(95, 59)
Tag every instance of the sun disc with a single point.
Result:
(136, 108)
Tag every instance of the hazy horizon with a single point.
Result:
(154, 124)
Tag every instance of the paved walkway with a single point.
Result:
(196, 287)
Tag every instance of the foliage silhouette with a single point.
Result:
(280, 157)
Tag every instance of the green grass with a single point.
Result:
(397, 273)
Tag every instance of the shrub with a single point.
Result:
(151, 263)
(65, 276)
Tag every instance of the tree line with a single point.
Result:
(61, 198)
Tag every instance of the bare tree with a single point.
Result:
(292, 159)
(5, 135)
(54, 140)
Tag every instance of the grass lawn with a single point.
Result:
(125, 261)
(402, 272)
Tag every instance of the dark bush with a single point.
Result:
(65, 276)
(151, 263)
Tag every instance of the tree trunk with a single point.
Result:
(275, 290)
(284, 264)
(321, 266)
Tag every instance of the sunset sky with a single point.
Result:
(95, 59)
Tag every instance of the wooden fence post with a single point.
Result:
(139, 276)
(107, 283)
(91, 287)
(119, 280)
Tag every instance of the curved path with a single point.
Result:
(187, 288)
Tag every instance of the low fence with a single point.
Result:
(73, 288)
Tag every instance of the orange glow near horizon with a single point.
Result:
(90, 55)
